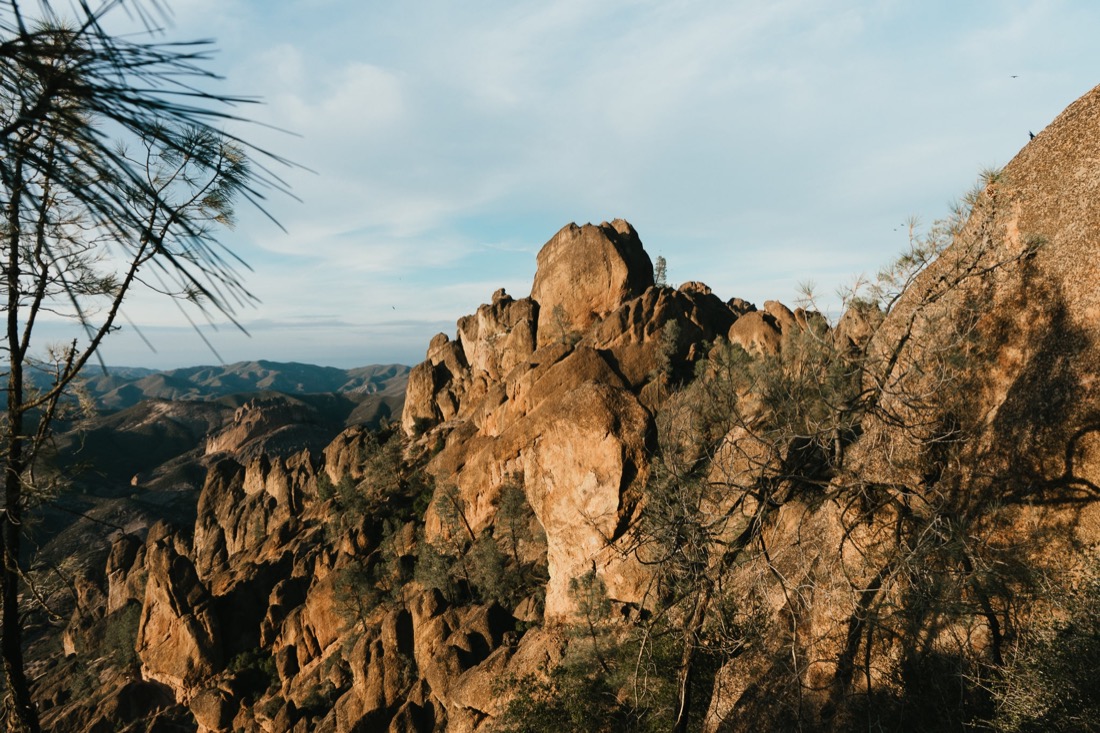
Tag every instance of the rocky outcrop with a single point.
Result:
(757, 333)
(586, 272)
(458, 374)
(179, 637)
(558, 391)
(125, 572)
(1015, 289)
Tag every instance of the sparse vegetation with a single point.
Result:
(120, 635)
(567, 335)
(660, 272)
(254, 672)
(1050, 683)
(486, 567)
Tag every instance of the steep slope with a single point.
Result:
(969, 500)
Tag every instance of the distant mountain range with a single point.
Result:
(123, 387)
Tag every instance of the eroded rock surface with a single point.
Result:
(557, 391)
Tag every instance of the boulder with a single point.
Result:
(586, 272)
(214, 709)
(757, 332)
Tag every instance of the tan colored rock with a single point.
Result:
(586, 272)
(635, 333)
(312, 627)
(214, 709)
(586, 450)
(420, 411)
(458, 375)
(232, 521)
(566, 416)
(856, 327)
(740, 306)
(79, 634)
(179, 637)
(758, 333)
(784, 316)
(125, 577)
(1030, 322)
(343, 456)
(255, 421)
(499, 336)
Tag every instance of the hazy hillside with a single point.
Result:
(123, 387)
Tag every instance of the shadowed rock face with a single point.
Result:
(1036, 318)
(989, 369)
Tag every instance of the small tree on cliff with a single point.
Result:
(660, 272)
(84, 222)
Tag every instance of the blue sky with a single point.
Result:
(754, 145)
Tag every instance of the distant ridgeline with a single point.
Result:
(117, 388)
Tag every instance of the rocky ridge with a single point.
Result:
(561, 405)
(558, 391)
(858, 564)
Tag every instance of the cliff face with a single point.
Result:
(1025, 268)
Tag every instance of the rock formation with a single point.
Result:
(866, 524)
(553, 390)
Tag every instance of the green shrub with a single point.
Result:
(254, 670)
(120, 631)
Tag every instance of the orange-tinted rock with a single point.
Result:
(758, 333)
(214, 709)
(1030, 322)
(586, 272)
(179, 639)
(125, 582)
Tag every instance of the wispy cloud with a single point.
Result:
(755, 145)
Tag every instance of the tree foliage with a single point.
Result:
(1051, 682)
(922, 547)
(113, 175)
(493, 565)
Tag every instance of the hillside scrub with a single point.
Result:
(754, 442)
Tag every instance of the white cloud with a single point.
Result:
(754, 144)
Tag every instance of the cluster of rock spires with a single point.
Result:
(557, 393)
(559, 390)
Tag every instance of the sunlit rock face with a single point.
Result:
(586, 272)
(556, 392)
(179, 637)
